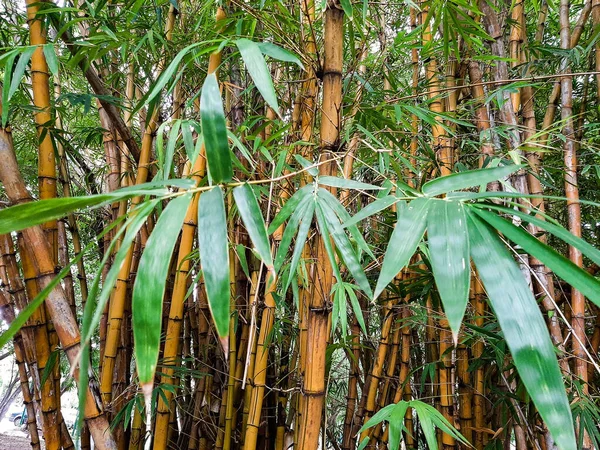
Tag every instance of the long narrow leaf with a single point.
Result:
(448, 242)
(560, 232)
(290, 230)
(347, 184)
(289, 207)
(303, 230)
(345, 249)
(524, 329)
(214, 131)
(214, 256)
(26, 215)
(255, 224)
(20, 70)
(149, 287)
(404, 240)
(467, 179)
(561, 266)
(372, 208)
(258, 70)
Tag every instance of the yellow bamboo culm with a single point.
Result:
(174, 325)
(43, 117)
(118, 299)
(318, 302)
(260, 366)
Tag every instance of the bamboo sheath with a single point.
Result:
(56, 302)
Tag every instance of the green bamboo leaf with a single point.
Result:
(51, 58)
(347, 7)
(467, 179)
(448, 242)
(303, 230)
(165, 76)
(442, 423)
(396, 424)
(324, 231)
(170, 152)
(290, 230)
(347, 184)
(214, 131)
(307, 165)
(281, 54)
(8, 73)
(356, 307)
(95, 305)
(149, 287)
(378, 417)
(214, 256)
(560, 232)
(404, 240)
(20, 70)
(290, 206)
(363, 444)
(345, 249)
(561, 266)
(255, 224)
(426, 423)
(26, 215)
(258, 70)
(524, 329)
(344, 216)
(372, 208)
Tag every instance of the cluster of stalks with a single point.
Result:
(272, 387)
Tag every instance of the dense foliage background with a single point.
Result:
(327, 224)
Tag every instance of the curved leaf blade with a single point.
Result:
(214, 131)
(467, 179)
(561, 266)
(279, 53)
(149, 287)
(25, 215)
(258, 70)
(288, 208)
(214, 256)
(448, 242)
(372, 208)
(404, 240)
(346, 250)
(524, 329)
(560, 232)
(255, 224)
(303, 230)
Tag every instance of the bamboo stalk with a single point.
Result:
(8, 315)
(56, 302)
(117, 302)
(318, 304)
(260, 366)
(573, 207)
(172, 348)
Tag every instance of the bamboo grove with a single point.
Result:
(311, 225)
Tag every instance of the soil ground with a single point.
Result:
(11, 438)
